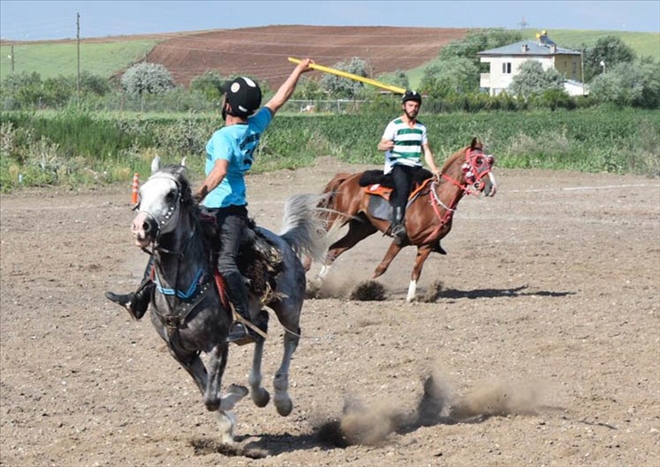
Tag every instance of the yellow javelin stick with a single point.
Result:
(345, 74)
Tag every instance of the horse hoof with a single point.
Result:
(284, 407)
(226, 424)
(260, 398)
(212, 406)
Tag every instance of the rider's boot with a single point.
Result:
(136, 302)
(398, 228)
(239, 333)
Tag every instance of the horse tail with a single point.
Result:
(302, 227)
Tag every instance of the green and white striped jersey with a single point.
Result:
(408, 143)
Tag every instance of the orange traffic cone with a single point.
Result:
(136, 185)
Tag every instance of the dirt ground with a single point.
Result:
(262, 52)
(546, 328)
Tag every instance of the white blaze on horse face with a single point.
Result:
(154, 205)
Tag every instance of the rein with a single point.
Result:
(468, 169)
(186, 300)
(449, 210)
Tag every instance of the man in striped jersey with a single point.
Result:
(404, 141)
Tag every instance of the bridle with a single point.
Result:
(159, 226)
(189, 298)
(477, 165)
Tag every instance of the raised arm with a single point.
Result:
(286, 89)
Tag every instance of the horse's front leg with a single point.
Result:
(422, 253)
(216, 367)
(392, 251)
(260, 395)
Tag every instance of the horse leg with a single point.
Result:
(422, 253)
(216, 368)
(282, 400)
(391, 253)
(260, 395)
(226, 419)
(358, 229)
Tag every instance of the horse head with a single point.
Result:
(159, 208)
(471, 169)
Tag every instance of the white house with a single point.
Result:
(505, 63)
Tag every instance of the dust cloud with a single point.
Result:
(372, 425)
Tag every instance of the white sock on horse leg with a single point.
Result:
(412, 288)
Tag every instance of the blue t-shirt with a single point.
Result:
(236, 144)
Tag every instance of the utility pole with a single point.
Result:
(523, 24)
(78, 47)
(12, 58)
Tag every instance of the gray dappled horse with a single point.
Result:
(187, 310)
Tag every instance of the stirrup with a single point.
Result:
(399, 233)
(239, 334)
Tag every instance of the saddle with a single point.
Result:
(376, 183)
(259, 261)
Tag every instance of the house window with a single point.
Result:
(506, 68)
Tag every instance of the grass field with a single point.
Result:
(643, 43)
(61, 58)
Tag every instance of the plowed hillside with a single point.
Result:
(262, 52)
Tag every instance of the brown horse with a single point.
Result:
(428, 216)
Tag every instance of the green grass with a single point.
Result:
(643, 43)
(54, 59)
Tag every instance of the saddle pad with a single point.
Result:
(379, 208)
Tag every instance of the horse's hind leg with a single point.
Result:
(288, 312)
(359, 228)
(282, 400)
(260, 395)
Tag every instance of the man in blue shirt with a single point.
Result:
(229, 155)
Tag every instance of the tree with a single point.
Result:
(478, 41)
(210, 85)
(400, 79)
(308, 89)
(152, 78)
(626, 85)
(609, 50)
(94, 84)
(344, 87)
(533, 80)
(454, 75)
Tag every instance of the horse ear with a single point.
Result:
(155, 165)
(473, 144)
(183, 161)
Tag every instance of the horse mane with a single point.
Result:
(460, 153)
(448, 163)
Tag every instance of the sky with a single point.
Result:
(39, 20)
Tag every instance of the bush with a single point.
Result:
(147, 78)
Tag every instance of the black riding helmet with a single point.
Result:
(243, 96)
(412, 96)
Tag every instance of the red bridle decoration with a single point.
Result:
(476, 166)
